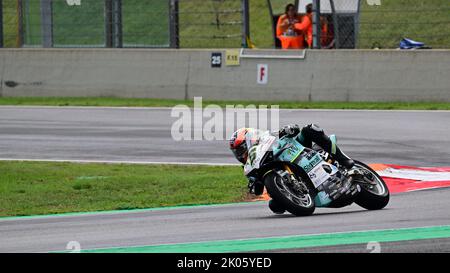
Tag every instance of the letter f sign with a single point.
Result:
(263, 73)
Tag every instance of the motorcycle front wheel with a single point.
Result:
(287, 195)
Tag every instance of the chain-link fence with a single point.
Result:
(124, 23)
(211, 23)
(218, 23)
(339, 23)
(87, 23)
(369, 24)
(380, 23)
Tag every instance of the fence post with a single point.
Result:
(47, 23)
(316, 24)
(174, 29)
(357, 24)
(246, 22)
(335, 25)
(20, 31)
(117, 33)
(1, 23)
(108, 24)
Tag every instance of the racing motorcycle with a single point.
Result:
(299, 179)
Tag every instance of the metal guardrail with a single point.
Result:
(272, 54)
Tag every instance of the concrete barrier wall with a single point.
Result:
(341, 75)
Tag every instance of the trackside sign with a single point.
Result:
(263, 74)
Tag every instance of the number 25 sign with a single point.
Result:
(216, 59)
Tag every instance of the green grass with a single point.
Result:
(34, 188)
(261, 23)
(146, 23)
(197, 21)
(32, 35)
(138, 102)
(421, 20)
(78, 25)
(10, 23)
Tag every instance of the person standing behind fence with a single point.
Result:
(306, 26)
(290, 37)
(327, 36)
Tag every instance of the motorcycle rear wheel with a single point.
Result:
(374, 197)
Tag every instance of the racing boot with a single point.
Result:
(313, 133)
(343, 159)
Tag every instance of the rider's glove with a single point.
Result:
(255, 186)
(289, 130)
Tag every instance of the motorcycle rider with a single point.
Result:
(245, 138)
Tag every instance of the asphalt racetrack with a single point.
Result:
(226, 222)
(416, 138)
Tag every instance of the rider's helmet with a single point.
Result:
(238, 145)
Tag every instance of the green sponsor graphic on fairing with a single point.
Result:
(308, 165)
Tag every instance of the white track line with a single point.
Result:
(118, 162)
(170, 108)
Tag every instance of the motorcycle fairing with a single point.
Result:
(291, 150)
(310, 161)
